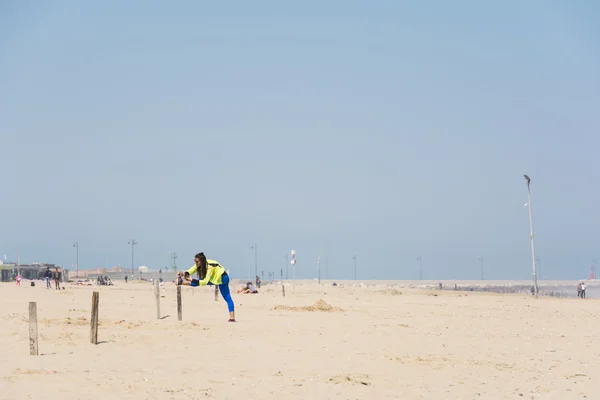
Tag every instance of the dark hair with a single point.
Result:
(202, 269)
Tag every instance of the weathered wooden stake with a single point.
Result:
(179, 317)
(283, 289)
(33, 331)
(216, 293)
(94, 319)
(157, 293)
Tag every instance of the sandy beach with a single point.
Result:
(320, 342)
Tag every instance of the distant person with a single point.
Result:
(258, 281)
(210, 273)
(56, 279)
(48, 275)
(579, 289)
(583, 290)
(19, 279)
(248, 288)
(125, 278)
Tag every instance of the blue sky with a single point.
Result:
(387, 129)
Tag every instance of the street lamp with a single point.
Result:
(319, 268)
(255, 247)
(535, 284)
(293, 262)
(132, 243)
(76, 245)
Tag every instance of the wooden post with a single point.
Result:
(283, 289)
(157, 293)
(179, 303)
(94, 319)
(216, 293)
(33, 331)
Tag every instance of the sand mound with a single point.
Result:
(320, 305)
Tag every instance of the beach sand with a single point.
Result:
(319, 342)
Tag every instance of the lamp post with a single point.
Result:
(535, 284)
(255, 247)
(319, 268)
(132, 243)
(76, 245)
(293, 262)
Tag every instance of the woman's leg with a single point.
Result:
(224, 289)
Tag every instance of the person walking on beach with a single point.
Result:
(48, 275)
(57, 279)
(210, 272)
(583, 290)
(19, 278)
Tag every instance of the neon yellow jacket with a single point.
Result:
(214, 272)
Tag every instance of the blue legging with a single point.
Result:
(224, 289)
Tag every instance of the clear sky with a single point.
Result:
(389, 129)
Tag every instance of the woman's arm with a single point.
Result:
(193, 270)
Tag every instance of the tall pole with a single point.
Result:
(481, 261)
(286, 257)
(76, 245)
(539, 267)
(420, 268)
(132, 243)
(319, 268)
(255, 247)
(354, 257)
(293, 262)
(19, 261)
(535, 284)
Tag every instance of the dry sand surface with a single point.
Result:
(319, 342)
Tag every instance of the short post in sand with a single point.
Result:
(94, 318)
(216, 293)
(179, 311)
(157, 294)
(33, 331)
